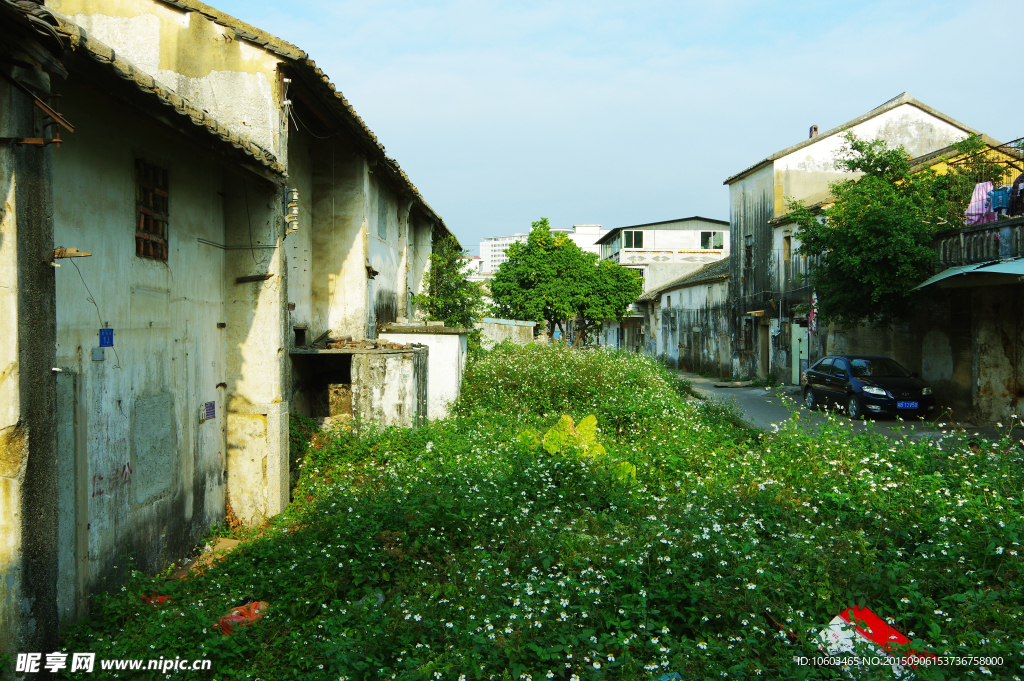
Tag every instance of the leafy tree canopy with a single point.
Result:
(875, 240)
(550, 279)
(450, 296)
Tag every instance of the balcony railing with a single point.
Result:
(978, 243)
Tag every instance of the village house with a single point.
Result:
(772, 320)
(201, 238)
(686, 320)
(658, 252)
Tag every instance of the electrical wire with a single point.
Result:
(297, 121)
(92, 300)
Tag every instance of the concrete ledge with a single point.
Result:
(432, 330)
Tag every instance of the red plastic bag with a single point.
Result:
(242, 616)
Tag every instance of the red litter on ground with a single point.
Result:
(156, 601)
(242, 616)
(857, 630)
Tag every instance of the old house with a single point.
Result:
(773, 325)
(658, 252)
(686, 320)
(198, 210)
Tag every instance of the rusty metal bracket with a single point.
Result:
(39, 102)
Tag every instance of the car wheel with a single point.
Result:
(809, 400)
(853, 408)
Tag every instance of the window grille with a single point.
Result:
(151, 202)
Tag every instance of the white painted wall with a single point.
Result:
(447, 360)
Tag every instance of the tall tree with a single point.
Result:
(875, 240)
(549, 279)
(450, 296)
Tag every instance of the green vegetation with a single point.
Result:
(450, 296)
(550, 279)
(577, 519)
(876, 239)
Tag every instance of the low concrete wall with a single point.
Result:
(447, 361)
(495, 331)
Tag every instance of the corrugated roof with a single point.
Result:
(710, 272)
(902, 99)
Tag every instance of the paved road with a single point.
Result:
(763, 408)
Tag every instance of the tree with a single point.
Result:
(450, 296)
(549, 279)
(875, 240)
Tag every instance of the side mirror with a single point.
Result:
(841, 375)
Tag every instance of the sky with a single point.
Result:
(626, 113)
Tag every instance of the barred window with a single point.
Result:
(151, 211)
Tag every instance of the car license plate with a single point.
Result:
(906, 405)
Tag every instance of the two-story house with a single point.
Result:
(659, 252)
(773, 329)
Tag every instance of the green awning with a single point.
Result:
(1008, 267)
(951, 272)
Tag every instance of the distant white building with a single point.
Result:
(492, 248)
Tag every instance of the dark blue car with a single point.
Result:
(866, 385)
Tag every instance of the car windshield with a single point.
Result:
(877, 368)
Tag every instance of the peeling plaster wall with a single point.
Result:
(154, 472)
(384, 256)
(339, 284)
(447, 360)
(420, 247)
(689, 327)
(233, 79)
(390, 388)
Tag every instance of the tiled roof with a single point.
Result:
(710, 272)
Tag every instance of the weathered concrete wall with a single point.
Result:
(299, 244)
(256, 350)
(447, 360)
(689, 328)
(154, 472)
(495, 331)
(384, 256)
(390, 388)
(967, 342)
(420, 247)
(233, 79)
(339, 241)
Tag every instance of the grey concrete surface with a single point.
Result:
(764, 408)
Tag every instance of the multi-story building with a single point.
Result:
(660, 252)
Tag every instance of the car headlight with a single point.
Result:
(872, 390)
(926, 391)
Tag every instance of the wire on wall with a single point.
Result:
(92, 300)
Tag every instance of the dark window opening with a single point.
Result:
(633, 239)
(712, 240)
(300, 337)
(151, 202)
(748, 251)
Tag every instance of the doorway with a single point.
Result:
(764, 347)
(799, 350)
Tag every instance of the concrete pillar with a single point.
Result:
(28, 460)
(257, 349)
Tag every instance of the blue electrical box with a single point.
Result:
(106, 338)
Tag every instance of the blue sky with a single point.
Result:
(624, 113)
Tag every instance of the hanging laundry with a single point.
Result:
(977, 212)
(1017, 196)
(999, 199)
